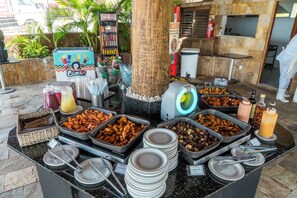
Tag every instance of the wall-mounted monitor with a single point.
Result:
(240, 25)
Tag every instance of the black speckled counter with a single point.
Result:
(61, 183)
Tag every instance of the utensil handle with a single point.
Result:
(108, 181)
(261, 151)
(236, 162)
(256, 147)
(67, 153)
(114, 176)
(68, 164)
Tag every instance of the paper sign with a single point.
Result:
(120, 168)
(53, 143)
(196, 170)
(254, 142)
(173, 37)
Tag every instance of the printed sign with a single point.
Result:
(73, 62)
(173, 37)
(108, 17)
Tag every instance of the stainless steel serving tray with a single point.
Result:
(119, 149)
(83, 136)
(243, 125)
(199, 126)
(229, 109)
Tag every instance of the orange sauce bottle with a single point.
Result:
(268, 122)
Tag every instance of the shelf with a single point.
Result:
(110, 46)
(109, 32)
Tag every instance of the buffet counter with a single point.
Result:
(56, 183)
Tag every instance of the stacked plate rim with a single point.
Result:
(146, 173)
(165, 140)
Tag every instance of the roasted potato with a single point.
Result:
(213, 90)
(86, 121)
(224, 127)
(222, 101)
(121, 132)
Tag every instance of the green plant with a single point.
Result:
(81, 15)
(30, 46)
(124, 9)
(59, 35)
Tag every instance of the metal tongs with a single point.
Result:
(67, 163)
(108, 181)
(235, 160)
(257, 149)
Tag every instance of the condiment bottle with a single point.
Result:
(49, 99)
(253, 100)
(260, 108)
(244, 110)
(67, 101)
(268, 122)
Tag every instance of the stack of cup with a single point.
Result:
(164, 140)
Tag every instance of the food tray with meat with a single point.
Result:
(84, 122)
(223, 103)
(194, 139)
(213, 90)
(229, 127)
(119, 133)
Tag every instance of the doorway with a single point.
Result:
(284, 24)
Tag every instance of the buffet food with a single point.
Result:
(213, 90)
(192, 138)
(86, 121)
(222, 101)
(121, 132)
(224, 127)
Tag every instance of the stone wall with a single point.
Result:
(256, 47)
(28, 71)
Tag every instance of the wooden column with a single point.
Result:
(150, 56)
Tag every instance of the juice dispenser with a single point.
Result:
(67, 101)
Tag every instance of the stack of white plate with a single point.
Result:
(146, 173)
(164, 140)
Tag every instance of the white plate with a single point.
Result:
(52, 161)
(229, 173)
(260, 159)
(148, 161)
(144, 186)
(142, 179)
(273, 138)
(88, 175)
(160, 138)
(78, 109)
(153, 194)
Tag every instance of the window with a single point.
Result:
(194, 22)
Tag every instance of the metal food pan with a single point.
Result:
(83, 136)
(199, 126)
(229, 109)
(119, 149)
(243, 125)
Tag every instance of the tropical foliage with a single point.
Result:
(30, 46)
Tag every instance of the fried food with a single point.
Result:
(86, 121)
(222, 101)
(121, 132)
(213, 90)
(224, 127)
(192, 138)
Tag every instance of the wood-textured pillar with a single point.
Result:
(150, 56)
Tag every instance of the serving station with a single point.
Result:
(194, 169)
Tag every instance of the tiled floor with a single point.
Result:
(18, 177)
(270, 76)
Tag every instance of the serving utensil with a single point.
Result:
(114, 176)
(68, 164)
(67, 153)
(258, 149)
(108, 181)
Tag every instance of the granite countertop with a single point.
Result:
(178, 183)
